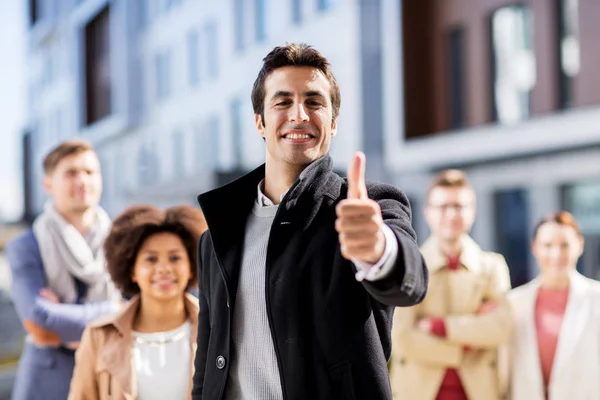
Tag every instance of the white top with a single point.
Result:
(162, 363)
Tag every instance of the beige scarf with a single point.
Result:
(67, 254)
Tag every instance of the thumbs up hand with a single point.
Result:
(359, 218)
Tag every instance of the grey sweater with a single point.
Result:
(254, 373)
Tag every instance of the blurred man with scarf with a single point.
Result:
(60, 282)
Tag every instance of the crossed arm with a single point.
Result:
(444, 341)
(48, 323)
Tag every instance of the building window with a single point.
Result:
(261, 20)
(193, 42)
(98, 74)
(456, 74)
(238, 24)
(33, 12)
(512, 232)
(297, 12)
(178, 153)
(212, 50)
(570, 62)
(236, 130)
(163, 75)
(324, 5)
(48, 65)
(143, 14)
(582, 199)
(513, 63)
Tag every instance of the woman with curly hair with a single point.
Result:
(146, 350)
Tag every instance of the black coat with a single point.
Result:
(331, 333)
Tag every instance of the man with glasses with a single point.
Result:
(446, 347)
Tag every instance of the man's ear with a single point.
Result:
(259, 125)
(47, 184)
(334, 127)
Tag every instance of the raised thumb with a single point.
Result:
(357, 188)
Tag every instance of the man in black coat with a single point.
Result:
(300, 270)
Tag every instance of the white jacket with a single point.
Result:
(576, 370)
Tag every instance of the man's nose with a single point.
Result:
(80, 177)
(298, 114)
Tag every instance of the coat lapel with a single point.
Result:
(227, 208)
(117, 355)
(117, 352)
(192, 308)
(573, 324)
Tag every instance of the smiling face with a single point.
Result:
(557, 248)
(298, 119)
(75, 184)
(450, 212)
(162, 267)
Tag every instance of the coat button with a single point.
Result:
(220, 362)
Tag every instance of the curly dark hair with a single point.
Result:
(134, 225)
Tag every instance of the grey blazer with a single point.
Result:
(45, 372)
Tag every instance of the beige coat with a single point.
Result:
(419, 360)
(104, 364)
(576, 369)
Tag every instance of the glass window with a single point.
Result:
(238, 24)
(163, 75)
(98, 72)
(143, 13)
(178, 153)
(193, 45)
(212, 50)
(512, 232)
(582, 199)
(570, 62)
(456, 74)
(297, 11)
(261, 20)
(324, 5)
(513, 55)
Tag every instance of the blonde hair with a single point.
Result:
(449, 178)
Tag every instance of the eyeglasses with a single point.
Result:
(459, 208)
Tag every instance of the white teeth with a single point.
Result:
(297, 136)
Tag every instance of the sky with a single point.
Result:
(12, 106)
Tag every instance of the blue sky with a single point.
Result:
(12, 106)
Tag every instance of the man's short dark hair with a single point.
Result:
(299, 55)
(136, 224)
